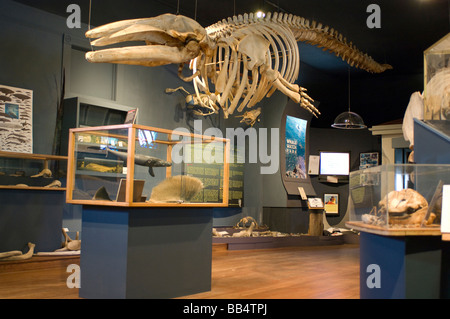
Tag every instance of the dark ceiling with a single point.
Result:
(408, 27)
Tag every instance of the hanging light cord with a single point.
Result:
(195, 14)
(349, 89)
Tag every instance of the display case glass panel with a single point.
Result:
(32, 171)
(436, 80)
(400, 197)
(135, 165)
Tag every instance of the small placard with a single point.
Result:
(313, 165)
(315, 203)
(332, 179)
(131, 116)
(302, 193)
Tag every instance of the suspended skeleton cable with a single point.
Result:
(195, 13)
(349, 89)
(89, 22)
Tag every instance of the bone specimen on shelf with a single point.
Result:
(69, 243)
(54, 184)
(234, 63)
(18, 255)
(247, 232)
(44, 173)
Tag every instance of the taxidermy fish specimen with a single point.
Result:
(236, 62)
(142, 160)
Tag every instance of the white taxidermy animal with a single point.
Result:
(176, 189)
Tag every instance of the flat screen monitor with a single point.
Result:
(334, 163)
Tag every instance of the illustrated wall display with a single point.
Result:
(331, 203)
(367, 160)
(16, 119)
(236, 62)
(295, 147)
(131, 116)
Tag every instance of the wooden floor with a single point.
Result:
(327, 272)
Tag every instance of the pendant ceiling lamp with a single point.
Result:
(349, 120)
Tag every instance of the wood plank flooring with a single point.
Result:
(326, 272)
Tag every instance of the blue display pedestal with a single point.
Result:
(405, 266)
(30, 215)
(431, 142)
(145, 252)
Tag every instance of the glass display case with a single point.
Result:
(436, 80)
(135, 165)
(398, 198)
(32, 171)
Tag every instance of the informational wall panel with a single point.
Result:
(16, 119)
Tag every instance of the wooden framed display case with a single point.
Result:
(32, 171)
(133, 165)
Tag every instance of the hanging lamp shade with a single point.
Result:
(348, 121)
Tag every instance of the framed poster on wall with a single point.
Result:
(331, 204)
(295, 147)
(16, 119)
(367, 160)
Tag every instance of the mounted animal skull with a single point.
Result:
(169, 39)
(240, 60)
